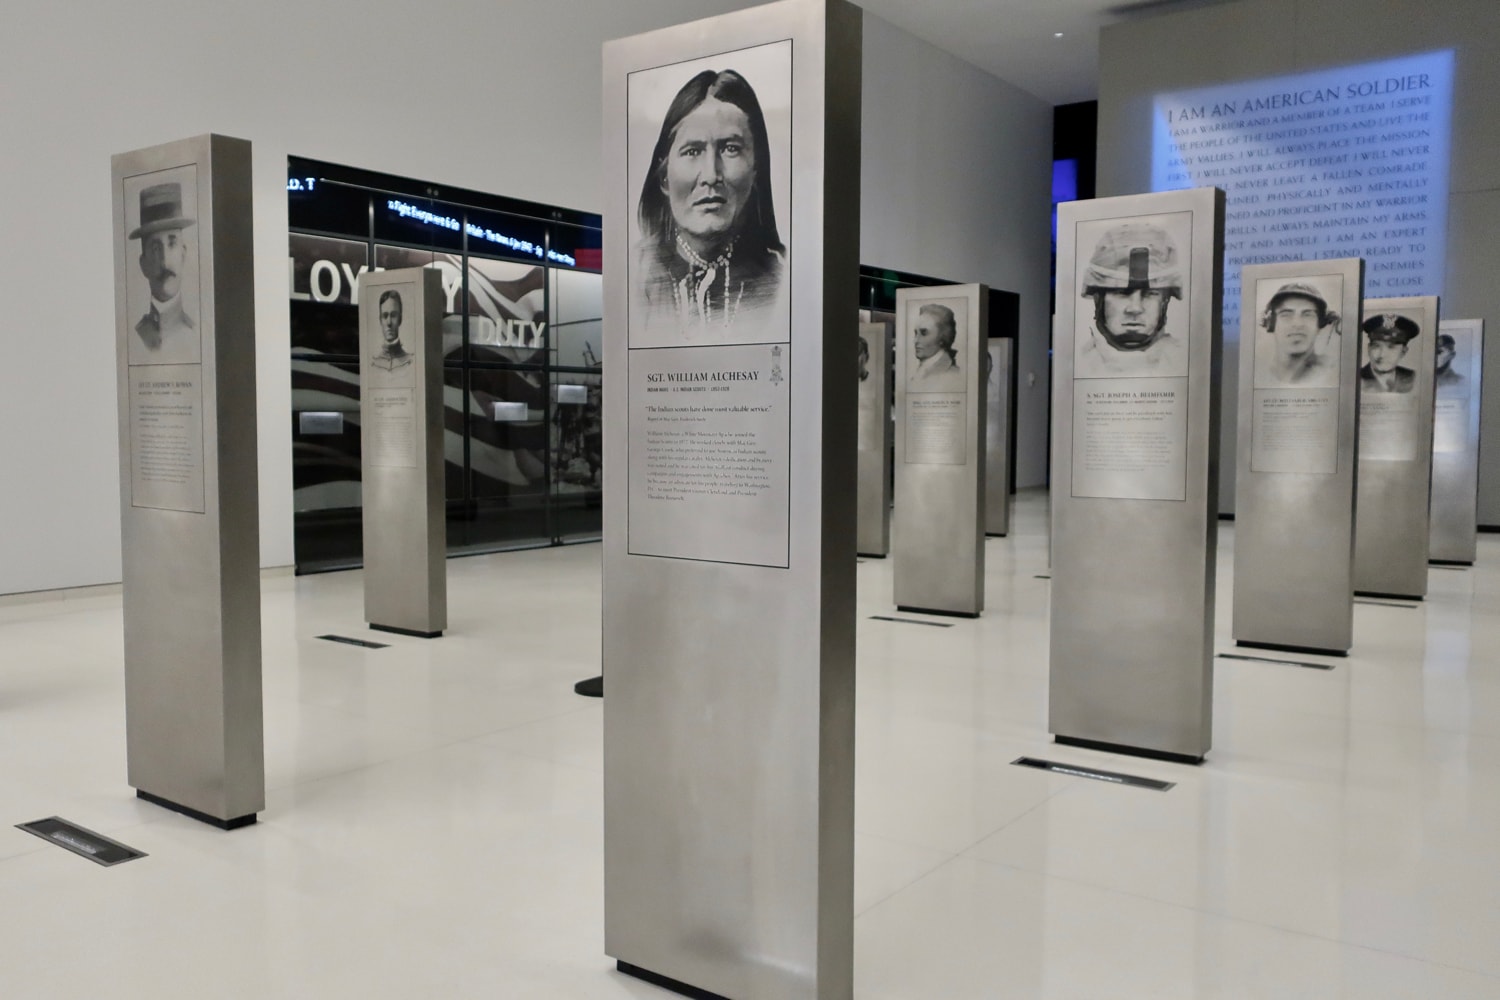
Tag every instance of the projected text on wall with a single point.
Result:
(1349, 162)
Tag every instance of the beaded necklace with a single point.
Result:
(691, 295)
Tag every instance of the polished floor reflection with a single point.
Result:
(433, 818)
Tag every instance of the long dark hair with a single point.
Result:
(758, 217)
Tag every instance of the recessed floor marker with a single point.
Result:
(365, 643)
(85, 843)
(1275, 659)
(910, 621)
(1093, 773)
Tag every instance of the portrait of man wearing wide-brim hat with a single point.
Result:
(168, 325)
(1388, 337)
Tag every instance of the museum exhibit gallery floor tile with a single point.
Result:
(433, 817)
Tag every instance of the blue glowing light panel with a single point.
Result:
(1349, 162)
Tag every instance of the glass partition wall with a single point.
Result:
(521, 354)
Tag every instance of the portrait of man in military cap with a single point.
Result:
(1388, 337)
(1297, 344)
(1448, 378)
(159, 221)
(1133, 272)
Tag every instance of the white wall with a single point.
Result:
(495, 95)
(957, 175)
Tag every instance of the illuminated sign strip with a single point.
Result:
(426, 218)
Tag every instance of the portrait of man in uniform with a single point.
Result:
(934, 335)
(393, 354)
(1447, 377)
(1298, 346)
(1388, 337)
(166, 327)
(1132, 275)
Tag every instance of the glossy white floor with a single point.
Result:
(433, 824)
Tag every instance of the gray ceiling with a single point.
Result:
(1016, 39)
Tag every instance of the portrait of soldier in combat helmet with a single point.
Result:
(1133, 273)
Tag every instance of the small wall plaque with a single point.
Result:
(320, 422)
